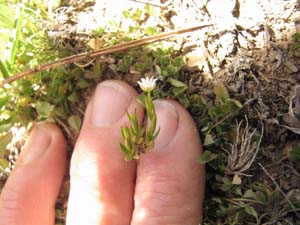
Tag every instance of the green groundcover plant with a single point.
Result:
(138, 138)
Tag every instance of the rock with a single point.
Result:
(291, 67)
(251, 14)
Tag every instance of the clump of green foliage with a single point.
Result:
(49, 95)
(295, 46)
(139, 138)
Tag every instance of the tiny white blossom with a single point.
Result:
(147, 84)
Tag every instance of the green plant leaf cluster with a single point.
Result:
(133, 138)
(139, 139)
(295, 46)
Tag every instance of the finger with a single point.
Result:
(102, 182)
(29, 195)
(170, 182)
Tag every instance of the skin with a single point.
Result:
(166, 186)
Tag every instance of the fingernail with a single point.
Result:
(110, 103)
(37, 145)
(167, 121)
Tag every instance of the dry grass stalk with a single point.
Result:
(244, 150)
(103, 51)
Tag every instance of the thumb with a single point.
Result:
(29, 195)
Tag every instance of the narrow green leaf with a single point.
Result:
(123, 132)
(16, 35)
(6, 16)
(250, 194)
(75, 122)
(177, 83)
(178, 90)
(142, 99)
(3, 101)
(83, 84)
(206, 157)
(3, 70)
(44, 109)
(124, 149)
(156, 133)
(208, 140)
(150, 30)
(232, 106)
(250, 211)
(3, 164)
(73, 97)
(158, 69)
(221, 91)
(236, 179)
(6, 124)
(294, 155)
(4, 141)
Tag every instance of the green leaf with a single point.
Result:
(3, 70)
(177, 83)
(6, 16)
(142, 99)
(124, 149)
(150, 30)
(4, 141)
(178, 87)
(3, 164)
(258, 196)
(250, 194)
(179, 62)
(125, 133)
(3, 101)
(206, 157)
(251, 211)
(98, 32)
(208, 140)
(126, 14)
(75, 122)
(150, 10)
(44, 109)
(178, 90)
(227, 184)
(232, 106)
(156, 133)
(16, 35)
(221, 91)
(158, 69)
(6, 124)
(238, 191)
(83, 84)
(137, 14)
(236, 179)
(295, 154)
(73, 97)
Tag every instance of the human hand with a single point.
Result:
(166, 186)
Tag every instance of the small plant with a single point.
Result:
(243, 151)
(139, 138)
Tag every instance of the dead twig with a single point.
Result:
(103, 51)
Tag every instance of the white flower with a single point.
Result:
(147, 84)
